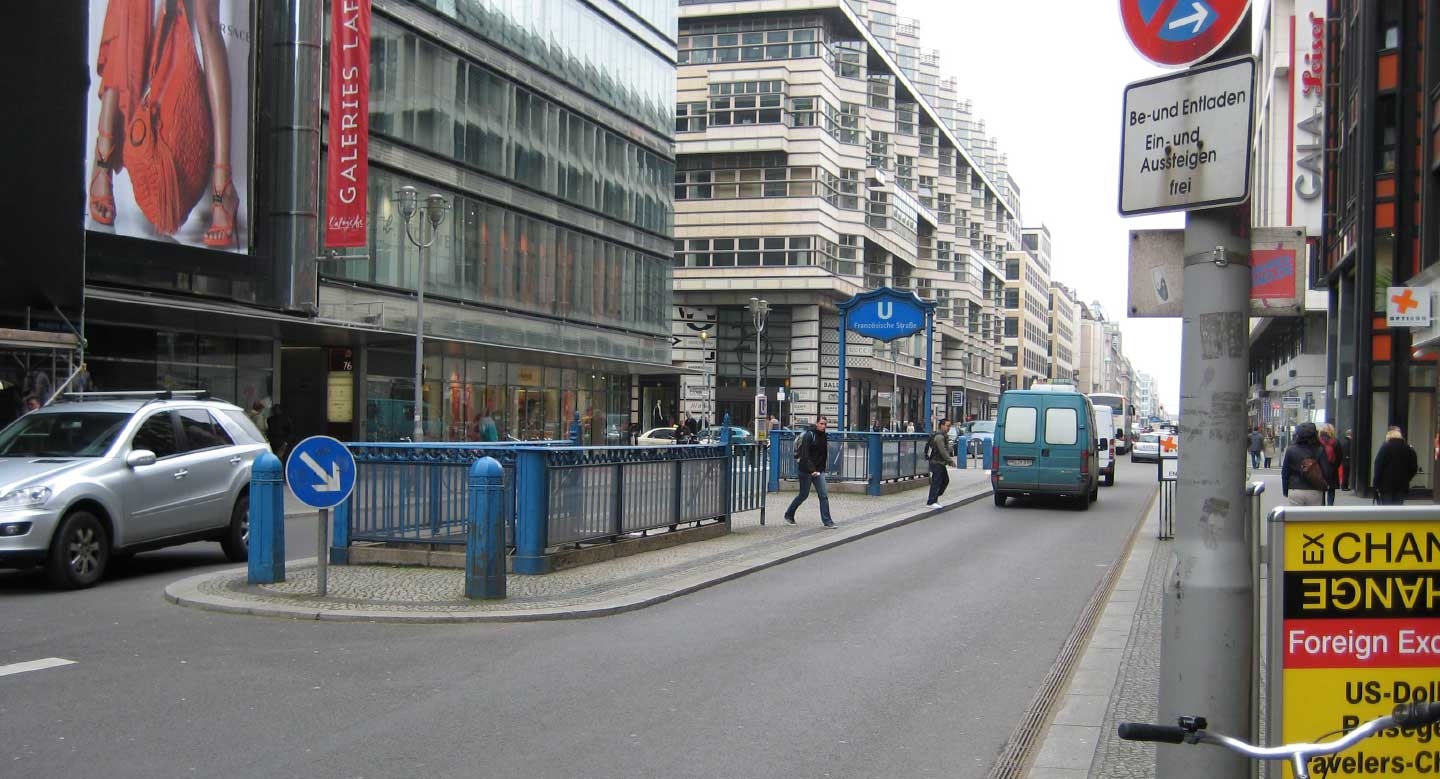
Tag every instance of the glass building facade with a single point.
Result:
(548, 130)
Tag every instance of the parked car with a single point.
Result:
(83, 481)
(657, 436)
(982, 436)
(738, 435)
(1146, 449)
(1045, 444)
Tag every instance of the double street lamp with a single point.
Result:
(407, 199)
(759, 312)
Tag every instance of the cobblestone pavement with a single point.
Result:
(397, 593)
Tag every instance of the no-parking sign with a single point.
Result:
(1180, 33)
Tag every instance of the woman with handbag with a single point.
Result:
(163, 117)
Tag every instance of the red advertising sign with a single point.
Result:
(1272, 274)
(348, 162)
(1180, 33)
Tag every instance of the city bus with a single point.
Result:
(1121, 410)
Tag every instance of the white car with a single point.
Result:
(657, 436)
(1146, 449)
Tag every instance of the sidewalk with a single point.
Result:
(399, 594)
(1118, 677)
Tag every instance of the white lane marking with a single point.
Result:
(34, 665)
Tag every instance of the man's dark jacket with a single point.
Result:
(1395, 466)
(814, 448)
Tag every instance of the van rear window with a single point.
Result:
(1060, 427)
(1020, 425)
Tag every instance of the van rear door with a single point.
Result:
(1018, 439)
(1062, 447)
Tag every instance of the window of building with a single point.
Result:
(773, 251)
(1390, 13)
(849, 59)
(1012, 270)
(1387, 129)
(904, 118)
(690, 118)
(905, 172)
(846, 123)
(881, 88)
(1012, 298)
(805, 112)
(746, 102)
(927, 142)
(750, 45)
(879, 150)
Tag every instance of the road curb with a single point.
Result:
(187, 592)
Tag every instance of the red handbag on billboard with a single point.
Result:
(169, 140)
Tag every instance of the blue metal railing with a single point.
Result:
(749, 476)
(872, 458)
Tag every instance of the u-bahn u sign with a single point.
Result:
(886, 314)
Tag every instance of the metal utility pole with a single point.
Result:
(759, 312)
(1207, 631)
(434, 210)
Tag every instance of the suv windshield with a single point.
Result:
(982, 427)
(64, 434)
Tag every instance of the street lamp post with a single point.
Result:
(705, 376)
(408, 201)
(759, 311)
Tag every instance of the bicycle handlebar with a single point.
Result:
(1409, 716)
(1164, 734)
(1415, 715)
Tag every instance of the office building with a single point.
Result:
(814, 162)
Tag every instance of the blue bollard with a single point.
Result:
(532, 511)
(875, 462)
(340, 532)
(267, 521)
(986, 457)
(962, 452)
(485, 533)
(777, 445)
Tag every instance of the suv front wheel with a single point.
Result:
(79, 552)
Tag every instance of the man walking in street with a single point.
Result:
(1257, 446)
(941, 460)
(1395, 465)
(812, 453)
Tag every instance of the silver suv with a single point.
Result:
(121, 473)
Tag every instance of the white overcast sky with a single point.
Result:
(1048, 78)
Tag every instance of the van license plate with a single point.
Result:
(1019, 461)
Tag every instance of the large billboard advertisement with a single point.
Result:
(168, 121)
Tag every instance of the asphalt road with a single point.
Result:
(913, 652)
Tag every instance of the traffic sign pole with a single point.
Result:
(321, 474)
(1207, 622)
(322, 554)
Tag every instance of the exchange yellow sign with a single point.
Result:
(1360, 633)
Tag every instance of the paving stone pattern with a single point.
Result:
(1137, 690)
(432, 590)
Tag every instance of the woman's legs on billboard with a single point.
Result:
(102, 173)
(225, 201)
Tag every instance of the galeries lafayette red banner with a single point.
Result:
(347, 169)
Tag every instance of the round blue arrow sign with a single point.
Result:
(320, 472)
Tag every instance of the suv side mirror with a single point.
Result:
(140, 457)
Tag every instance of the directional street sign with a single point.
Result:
(1185, 139)
(1180, 33)
(320, 472)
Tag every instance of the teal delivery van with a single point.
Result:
(1046, 444)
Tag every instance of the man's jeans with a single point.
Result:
(819, 481)
(939, 480)
(1254, 459)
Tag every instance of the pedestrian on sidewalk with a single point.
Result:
(1300, 478)
(1257, 446)
(1330, 463)
(812, 454)
(1269, 446)
(941, 461)
(1395, 465)
(1347, 472)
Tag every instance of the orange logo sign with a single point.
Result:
(1405, 301)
